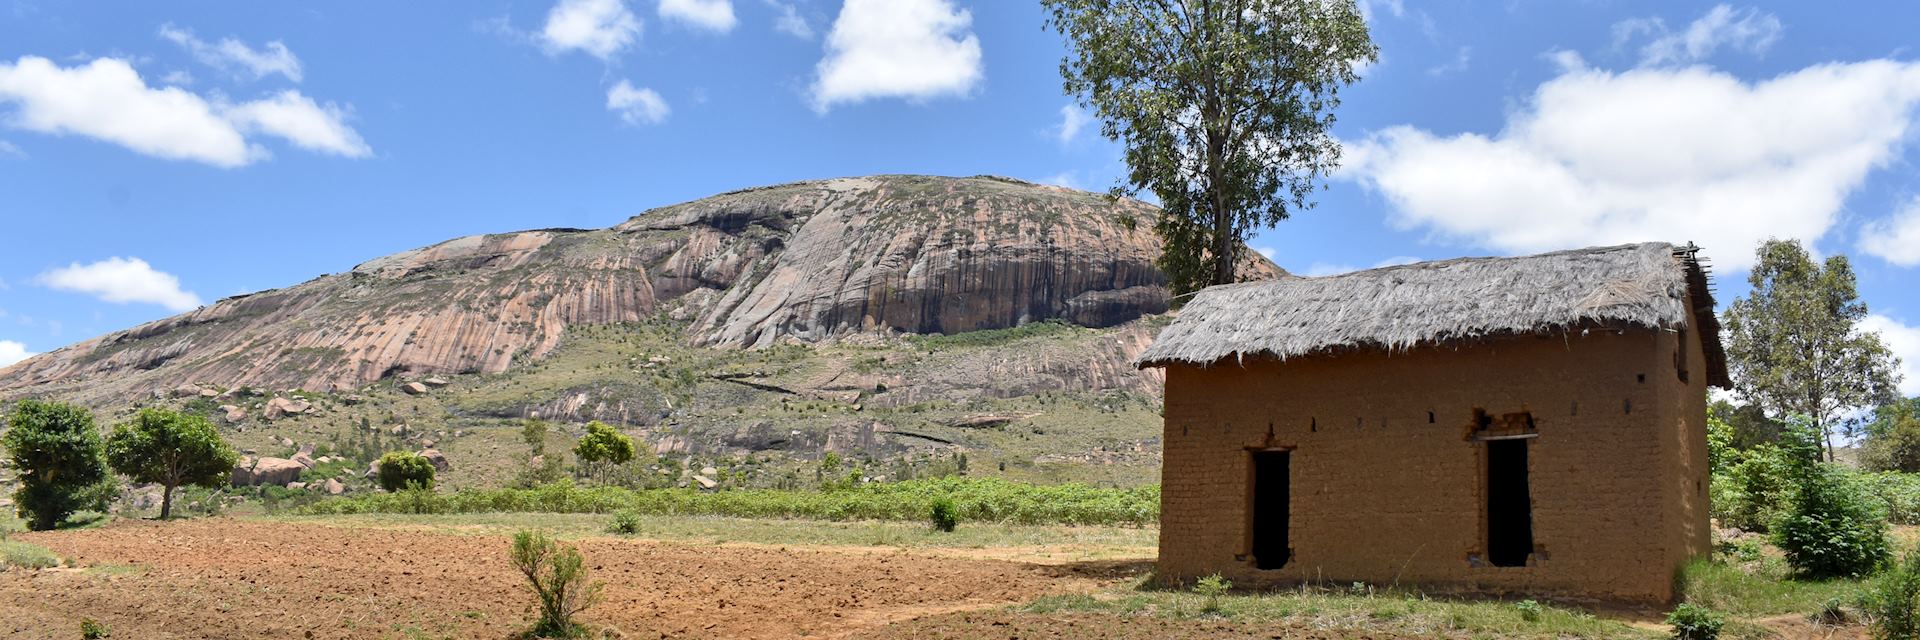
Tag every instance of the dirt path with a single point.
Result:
(248, 579)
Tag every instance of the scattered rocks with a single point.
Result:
(184, 391)
(435, 382)
(209, 393)
(235, 414)
(705, 482)
(305, 460)
(414, 388)
(296, 485)
(352, 400)
(334, 487)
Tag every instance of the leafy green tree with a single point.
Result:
(604, 444)
(1893, 439)
(1795, 345)
(405, 470)
(57, 450)
(170, 448)
(1750, 424)
(1223, 107)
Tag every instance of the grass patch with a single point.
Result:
(1410, 613)
(26, 556)
(1760, 589)
(974, 500)
(992, 337)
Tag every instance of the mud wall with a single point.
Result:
(1387, 478)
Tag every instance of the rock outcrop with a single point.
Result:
(806, 261)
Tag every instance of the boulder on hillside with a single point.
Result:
(209, 393)
(334, 487)
(435, 382)
(242, 475)
(438, 459)
(282, 406)
(234, 414)
(414, 388)
(184, 391)
(305, 460)
(276, 471)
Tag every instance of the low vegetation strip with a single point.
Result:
(974, 500)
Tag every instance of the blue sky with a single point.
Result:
(154, 156)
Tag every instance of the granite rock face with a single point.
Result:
(806, 261)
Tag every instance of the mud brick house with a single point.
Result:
(1511, 425)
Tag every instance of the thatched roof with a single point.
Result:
(1652, 285)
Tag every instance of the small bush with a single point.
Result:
(557, 575)
(1832, 528)
(626, 522)
(1893, 602)
(1692, 622)
(1755, 488)
(91, 629)
(943, 514)
(61, 462)
(401, 470)
(1530, 610)
(1210, 589)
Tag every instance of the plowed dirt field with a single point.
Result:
(225, 578)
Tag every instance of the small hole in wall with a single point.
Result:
(1313, 424)
(1481, 421)
(1576, 407)
(1629, 405)
(1429, 417)
(1642, 378)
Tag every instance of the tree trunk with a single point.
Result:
(166, 501)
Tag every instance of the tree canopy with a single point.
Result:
(401, 470)
(1795, 345)
(56, 449)
(1223, 107)
(172, 449)
(604, 444)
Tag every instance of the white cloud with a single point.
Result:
(1395, 8)
(790, 21)
(712, 15)
(1072, 120)
(299, 120)
(1319, 269)
(177, 77)
(9, 150)
(915, 49)
(601, 28)
(637, 106)
(1063, 179)
(1652, 154)
(1896, 238)
(1266, 252)
(107, 100)
(1395, 261)
(122, 280)
(1747, 30)
(234, 56)
(1904, 341)
(11, 352)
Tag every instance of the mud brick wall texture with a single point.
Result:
(1381, 494)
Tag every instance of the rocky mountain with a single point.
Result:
(803, 263)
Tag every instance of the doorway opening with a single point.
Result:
(1271, 491)
(1509, 504)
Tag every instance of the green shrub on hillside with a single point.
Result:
(401, 470)
(1692, 622)
(943, 515)
(974, 499)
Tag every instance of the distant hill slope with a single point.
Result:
(802, 262)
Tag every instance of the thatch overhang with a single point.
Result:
(1449, 302)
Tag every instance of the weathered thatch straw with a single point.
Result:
(1651, 285)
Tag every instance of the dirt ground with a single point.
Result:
(226, 578)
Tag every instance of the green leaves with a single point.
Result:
(604, 444)
(170, 448)
(1223, 106)
(1795, 346)
(58, 452)
(403, 470)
